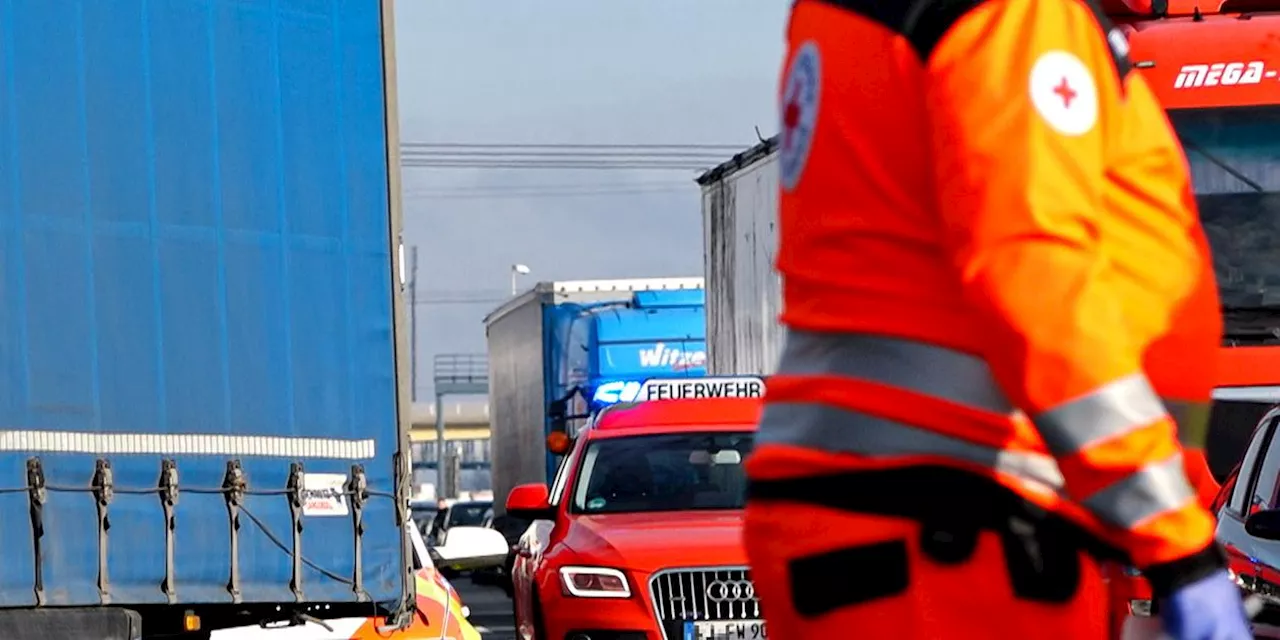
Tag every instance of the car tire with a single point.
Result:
(539, 627)
(505, 578)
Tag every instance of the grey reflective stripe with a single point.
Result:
(927, 369)
(827, 428)
(1193, 421)
(1110, 410)
(1154, 489)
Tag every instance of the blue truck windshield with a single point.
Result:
(1234, 155)
(666, 472)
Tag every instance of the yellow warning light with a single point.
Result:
(190, 621)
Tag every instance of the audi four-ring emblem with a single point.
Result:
(731, 591)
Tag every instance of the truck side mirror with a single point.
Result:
(557, 414)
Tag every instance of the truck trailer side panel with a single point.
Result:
(196, 269)
(740, 241)
(516, 398)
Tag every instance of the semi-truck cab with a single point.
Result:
(1213, 67)
(562, 351)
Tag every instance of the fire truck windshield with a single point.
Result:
(1234, 155)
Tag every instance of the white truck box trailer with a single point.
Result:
(740, 243)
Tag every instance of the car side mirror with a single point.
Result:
(530, 502)
(1264, 524)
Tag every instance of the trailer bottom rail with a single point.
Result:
(105, 623)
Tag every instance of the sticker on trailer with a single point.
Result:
(701, 388)
(324, 494)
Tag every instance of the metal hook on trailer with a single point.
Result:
(357, 488)
(167, 488)
(103, 491)
(296, 500)
(234, 484)
(37, 494)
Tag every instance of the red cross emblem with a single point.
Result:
(1064, 91)
(791, 114)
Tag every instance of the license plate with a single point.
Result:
(725, 630)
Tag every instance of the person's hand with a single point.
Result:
(1208, 609)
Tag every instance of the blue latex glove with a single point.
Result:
(1210, 608)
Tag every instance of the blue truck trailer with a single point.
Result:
(563, 350)
(200, 381)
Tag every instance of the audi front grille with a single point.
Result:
(705, 593)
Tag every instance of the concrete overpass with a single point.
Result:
(464, 419)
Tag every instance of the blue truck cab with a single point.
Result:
(563, 351)
(654, 334)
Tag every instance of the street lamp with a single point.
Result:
(517, 270)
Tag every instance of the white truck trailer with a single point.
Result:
(740, 243)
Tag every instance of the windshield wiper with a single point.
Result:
(1258, 324)
(1261, 310)
(1221, 164)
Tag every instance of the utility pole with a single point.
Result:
(413, 321)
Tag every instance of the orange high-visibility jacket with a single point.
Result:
(986, 224)
(1182, 368)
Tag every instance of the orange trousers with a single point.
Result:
(837, 557)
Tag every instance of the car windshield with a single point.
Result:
(1234, 155)
(667, 472)
(467, 514)
(422, 516)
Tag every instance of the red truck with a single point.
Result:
(1214, 66)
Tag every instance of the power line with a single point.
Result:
(430, 297)
(682, 159)
(517, 155)
(576, 184)
(548, 186)
(562, 156)
(466, 291)
(614, 165)
(446, 301)
(540, 195)
(561, 145)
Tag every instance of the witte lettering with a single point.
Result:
(663, 356)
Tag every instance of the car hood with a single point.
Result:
(651, 541)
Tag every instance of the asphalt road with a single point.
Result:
(490, 609)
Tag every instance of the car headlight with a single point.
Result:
(594, 582)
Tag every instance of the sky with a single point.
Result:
(567, 72)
